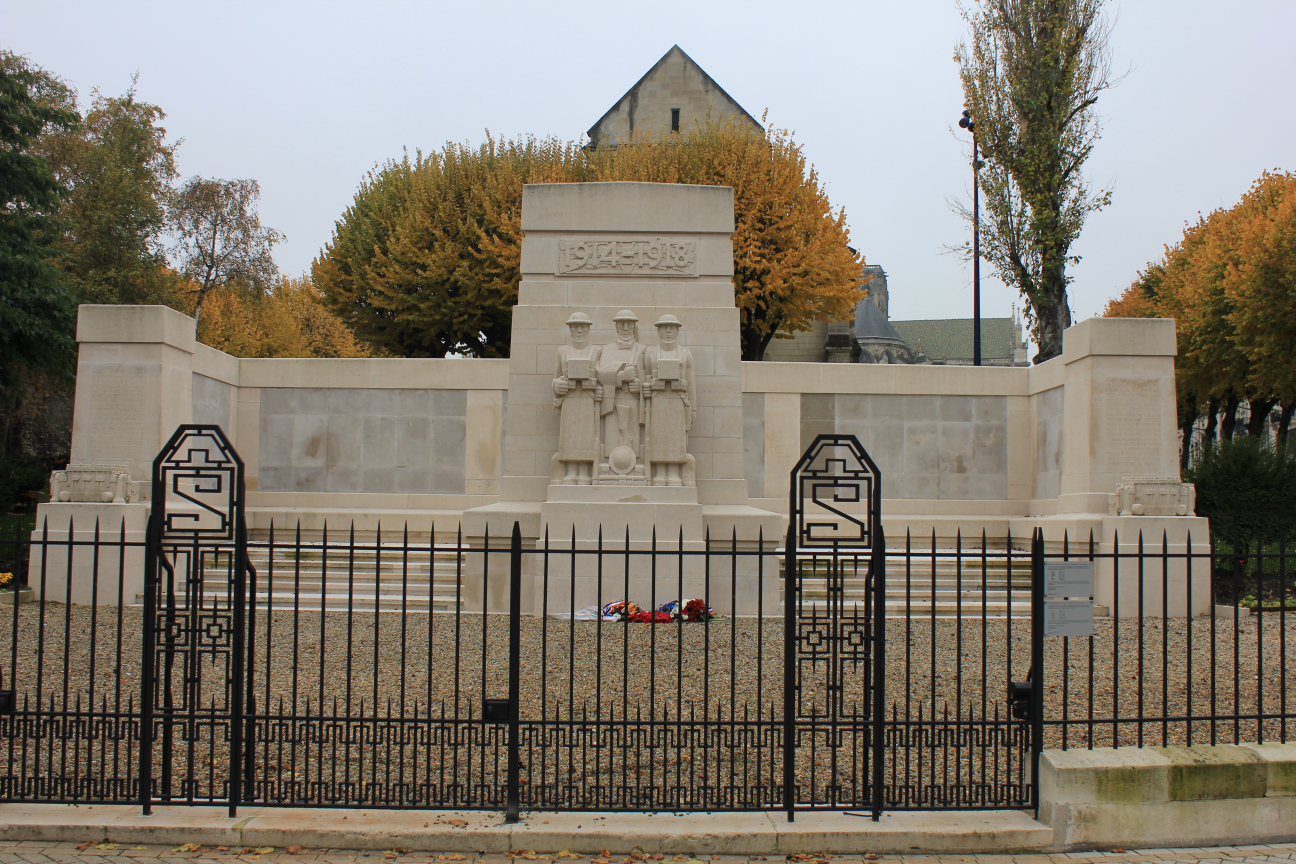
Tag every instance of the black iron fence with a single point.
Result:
(343, 668)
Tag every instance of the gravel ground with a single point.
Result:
(727, 674)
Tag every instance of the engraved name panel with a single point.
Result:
(662, 256)
(1132, 424)
(118, 397)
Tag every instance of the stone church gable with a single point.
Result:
(673, 95)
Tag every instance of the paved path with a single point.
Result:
(38, 852)
(97, 834)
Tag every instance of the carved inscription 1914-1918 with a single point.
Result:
(661, 256)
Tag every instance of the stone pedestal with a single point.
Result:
(1119, 405)
(134, 384)
(110, 576)
(654, 250)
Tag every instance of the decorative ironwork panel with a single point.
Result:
(833, 569)
(196, 616)
(835, 495)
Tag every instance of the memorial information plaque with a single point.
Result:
(1068, 617)
(1068, 579)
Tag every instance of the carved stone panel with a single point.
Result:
(93, 482)
(1152, 495)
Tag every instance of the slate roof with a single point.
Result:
(870, 323)
(950, 339)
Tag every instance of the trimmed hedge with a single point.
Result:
(1247, 488)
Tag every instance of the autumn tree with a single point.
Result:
(290, 320)
(425, 262)
(36, 312)
(1032, 72)
(1261, 288)
(793, 264)
(1229, 286)
(220, 241)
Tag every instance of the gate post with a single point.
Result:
(515, 673)
(879, 664)
(210, 520)
(1037, 662)
(789, 669)
(152, 554)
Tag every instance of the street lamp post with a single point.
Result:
(966, 122)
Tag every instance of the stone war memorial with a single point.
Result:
(625, 411)
(624, 571)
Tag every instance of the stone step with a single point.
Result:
(360, 601)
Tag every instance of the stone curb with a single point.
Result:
(964, 832)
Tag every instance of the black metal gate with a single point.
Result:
(196, 624)
(834, 639)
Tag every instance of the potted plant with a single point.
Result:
(10, 592)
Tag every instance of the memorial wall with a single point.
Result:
(369, 436)
(626, 308)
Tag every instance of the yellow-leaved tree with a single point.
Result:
(793, 264)
(1230, 285)
(1261, 288)
(426, 260)
(289, 321)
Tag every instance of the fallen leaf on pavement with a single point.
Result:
(137, 848)
(452, 857)
(261, 850)
(84, 846)
(458, 823)
(218, 848)
(105, 846)
(188, 847)
(293, 850)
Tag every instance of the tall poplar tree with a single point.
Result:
(1032, 71)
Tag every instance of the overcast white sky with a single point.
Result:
(306, 97)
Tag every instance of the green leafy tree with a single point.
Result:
(1032, 72)
(117, 168)
(36, 313)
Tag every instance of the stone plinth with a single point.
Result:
(597, 250)
(110, 576)
(134, 383)
(1119, 408)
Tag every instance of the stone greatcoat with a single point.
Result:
(618, 401)
(578, 412)
(671, 414)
